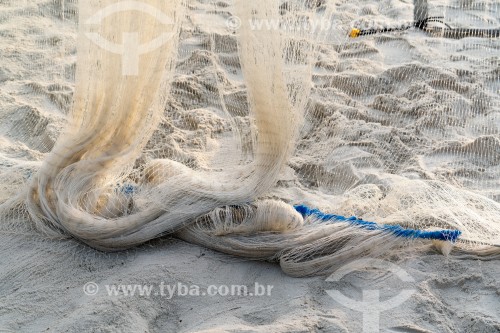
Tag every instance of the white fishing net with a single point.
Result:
(132, 120)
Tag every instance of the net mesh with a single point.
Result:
(130, 120)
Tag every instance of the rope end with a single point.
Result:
(355, 33)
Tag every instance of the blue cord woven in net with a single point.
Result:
(443, 235)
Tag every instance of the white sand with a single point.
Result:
(41, 281)
(42, 292)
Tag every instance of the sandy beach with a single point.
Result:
(387, 109)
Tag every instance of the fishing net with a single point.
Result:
(227, 124)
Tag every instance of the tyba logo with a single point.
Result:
(130, 49)
(370, 305)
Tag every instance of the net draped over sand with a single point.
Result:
(176, 127)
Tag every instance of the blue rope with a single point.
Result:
(443, 235)
(128, 189)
